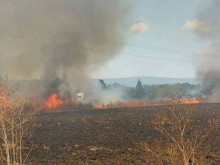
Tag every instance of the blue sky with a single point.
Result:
(163, 48)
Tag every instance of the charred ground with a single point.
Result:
(99, 136)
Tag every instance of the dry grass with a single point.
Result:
(184, 140)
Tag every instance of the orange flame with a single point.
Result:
(4, 102)
(192, 101)
(136, 103)
(99, 106)
(53, 101)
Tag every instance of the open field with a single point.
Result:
(98, 136)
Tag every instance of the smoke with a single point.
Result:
(59, 42)
(210, 70)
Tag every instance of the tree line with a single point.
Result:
(155, 92)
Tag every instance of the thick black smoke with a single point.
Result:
(59, 42)
(210, 70)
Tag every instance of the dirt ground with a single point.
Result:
(96, 136)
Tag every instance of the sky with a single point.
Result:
(161, 41)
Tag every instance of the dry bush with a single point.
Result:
(185, 137)
(15, 116)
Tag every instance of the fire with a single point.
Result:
(192, 101)
(135, 103)
(4, 102)
(99, 106)
(53, 101)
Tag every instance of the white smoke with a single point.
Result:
(210, 70)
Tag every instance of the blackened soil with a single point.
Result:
(96, 136)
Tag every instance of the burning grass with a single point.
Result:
(56, 103)
(142, 103)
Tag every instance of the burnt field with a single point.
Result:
(99, 136)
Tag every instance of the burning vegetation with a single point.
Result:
(54, 101)
(110, 98)
(61, 51)
(4, 100)
(146, 103)
(192, 101)
(16, 114)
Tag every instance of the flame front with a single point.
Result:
(192, 101)
(142, 103)
(53, 101)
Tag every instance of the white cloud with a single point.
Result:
(196, 25)
(139, 28)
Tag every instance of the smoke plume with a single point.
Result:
(210, 70)
(59, 42)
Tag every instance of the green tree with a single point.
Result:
(139, 90)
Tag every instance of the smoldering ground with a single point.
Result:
(59, 42)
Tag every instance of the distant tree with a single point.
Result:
(139, 90)
(130, 93)
(103, 84)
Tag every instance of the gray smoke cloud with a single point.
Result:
(210, 70)
(59, 42)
